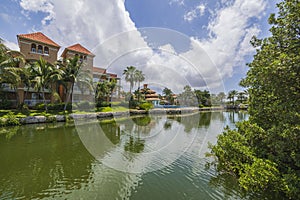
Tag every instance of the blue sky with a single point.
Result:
(202, 43)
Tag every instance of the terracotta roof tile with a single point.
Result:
(99, 70)
(80, 49)
(39, 37)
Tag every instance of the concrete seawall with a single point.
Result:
(100, 115)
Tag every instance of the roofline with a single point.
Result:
(19, 36)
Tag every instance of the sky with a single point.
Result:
(201, 43)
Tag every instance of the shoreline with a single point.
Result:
(103, 115)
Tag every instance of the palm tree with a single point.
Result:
(232, 94)
(221, 96)
(72, 74)
(45, 74)
(168, 94)
(140, 77)
(102, 91)
(10, 71)
(130, 76)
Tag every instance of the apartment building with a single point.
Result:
(36, 45)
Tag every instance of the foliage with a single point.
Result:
(54, 106)
(5, 104)
(203, 97)
(11, 120)
(133, 75)
(146, 106)
(264, 152)
(168, 93)
(45, 74)
(72, 72)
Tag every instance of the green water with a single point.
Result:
(144, 157)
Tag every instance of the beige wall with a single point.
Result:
(25, 48)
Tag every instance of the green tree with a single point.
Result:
(130, 76)
(45, 75)
(168, 95)
(221, 96)
(10, 71)
(140, 77)
(231, 95)
(264, 152)
(72, 73)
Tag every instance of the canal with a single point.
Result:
(138, 157)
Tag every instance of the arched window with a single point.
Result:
(33, 48)
(40, 49)
(46, 50)
(81, 58)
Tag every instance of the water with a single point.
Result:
(144, 157)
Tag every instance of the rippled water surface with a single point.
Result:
(142, 157)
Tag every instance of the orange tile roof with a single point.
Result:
(39, 37)
(79, 48)
(99, 70)
(112, 75)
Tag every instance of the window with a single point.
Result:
(40, 49)
(81, 58)
(33, 48)
(46, 50)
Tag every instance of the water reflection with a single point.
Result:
(52, 161)
(39, 158)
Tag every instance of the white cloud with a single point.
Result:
(39, 6)
(194, 13)
(106, 28)
(11, 45)
(230, 32)
(178, 2)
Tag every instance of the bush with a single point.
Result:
(24, 109)
(11, 120)
(103, 104)
(53, 106)
(84, 105)
(146, 106)
(5, 104)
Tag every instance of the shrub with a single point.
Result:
(11, 120)
(146, 106)
(5, 104)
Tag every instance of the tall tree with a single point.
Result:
(232, 94)
(221, 96)
(72, 72)
(264, 152)
(130, 76)
(45, 74)
(168, 94)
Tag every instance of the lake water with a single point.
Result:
(140, 157)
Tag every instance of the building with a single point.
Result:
(36, 45)
(33, 46)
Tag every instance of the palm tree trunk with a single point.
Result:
(68, 96)
(44, 99)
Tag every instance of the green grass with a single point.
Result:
(112, 109)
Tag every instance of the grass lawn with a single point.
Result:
(19, 114)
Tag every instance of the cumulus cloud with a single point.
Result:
(230, 32)
(178, 2)
(11, 45)
(105, 28)
(194, 13)
(39, 6)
